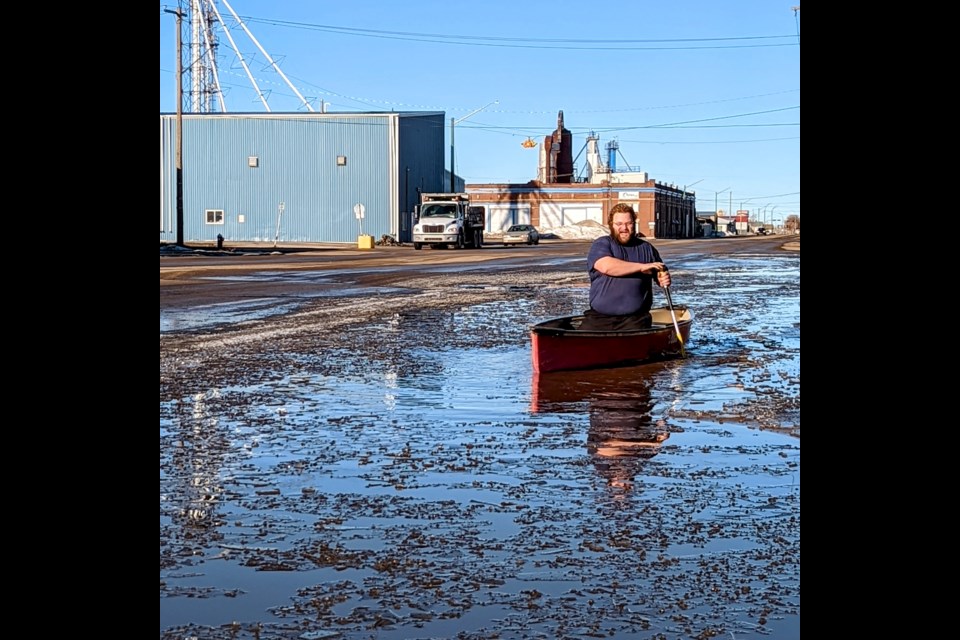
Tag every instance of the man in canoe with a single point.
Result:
(622, 267)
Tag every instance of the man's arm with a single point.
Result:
(615, 267)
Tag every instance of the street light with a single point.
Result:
(683, 204)
(453, 123)
(773, 221)
(715, 201)
(716, 217)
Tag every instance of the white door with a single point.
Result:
(500, 218)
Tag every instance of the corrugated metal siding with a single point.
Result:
(296, 158)
(421, 167)
(168, 176)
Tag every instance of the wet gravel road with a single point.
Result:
(353, 445)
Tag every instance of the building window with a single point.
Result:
(341, 161)
(253, 162)
(214, 216)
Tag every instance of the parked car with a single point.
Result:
(521, 234)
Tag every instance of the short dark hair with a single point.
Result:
(621, 207)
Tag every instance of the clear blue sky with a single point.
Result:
(695, 93)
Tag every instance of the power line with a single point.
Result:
(536, 43)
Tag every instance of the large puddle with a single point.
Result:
(392, 468)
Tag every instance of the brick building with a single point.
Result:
(558, 197)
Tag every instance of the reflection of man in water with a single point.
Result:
(621, 438)
(622, 432)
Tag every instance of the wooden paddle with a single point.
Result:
(666, 290)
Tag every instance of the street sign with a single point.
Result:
(359, 210)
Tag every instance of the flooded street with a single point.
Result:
(358, 451)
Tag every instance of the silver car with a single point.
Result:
(521, 234)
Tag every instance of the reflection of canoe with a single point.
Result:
(558, 344)
(574, 391)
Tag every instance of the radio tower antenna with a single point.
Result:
(205, 88)
(236, 50)
(202, 46)
(275, 66)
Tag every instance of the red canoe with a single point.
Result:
(559, 344)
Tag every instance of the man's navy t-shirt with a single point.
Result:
(625, 295)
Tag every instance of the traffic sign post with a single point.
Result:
(359, 210)
(280, 208)
(363, 242)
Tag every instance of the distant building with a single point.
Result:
(558, 197)
(707, 223)
(296, 177)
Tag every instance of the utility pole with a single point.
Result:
(716, 204)
(685, 203)
(453, 123)
(453, 182)
(179, 15)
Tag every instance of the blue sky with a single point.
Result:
(696, 93)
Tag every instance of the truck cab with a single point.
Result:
(447, 219)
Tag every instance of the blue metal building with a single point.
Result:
(296, 177)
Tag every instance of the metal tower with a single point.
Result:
(201, 75)
(204, 84)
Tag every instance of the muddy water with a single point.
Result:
(376, 463)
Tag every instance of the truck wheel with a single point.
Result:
(460, 241)
(417, 246)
